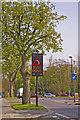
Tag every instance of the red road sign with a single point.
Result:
(37, 60)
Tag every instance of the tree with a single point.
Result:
(30, 27)
(55, 79)
(18, 83)
(10, 69)
(11, 63)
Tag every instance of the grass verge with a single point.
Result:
(11, 98)
(27, 107)
(15, 102)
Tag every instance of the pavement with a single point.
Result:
(9, 112)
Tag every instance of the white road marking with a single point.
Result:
(62, 115)
(54, 116)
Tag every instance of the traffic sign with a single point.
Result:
(74, 76)
(37, 64)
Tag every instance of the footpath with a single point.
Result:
(9, 112)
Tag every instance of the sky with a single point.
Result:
(69, 32)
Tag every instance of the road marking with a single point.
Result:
(62, 115)
(54, 116)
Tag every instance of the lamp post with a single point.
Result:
(68, 78)
(60, 76)
(74, 81)
(71, 75)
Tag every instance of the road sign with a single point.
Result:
(37, 64)
(74, 76)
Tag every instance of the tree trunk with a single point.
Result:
(26, 90)
(10, 88)
(26, 81)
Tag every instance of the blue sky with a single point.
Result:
(69, 31)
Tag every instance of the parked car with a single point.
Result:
(71, 94)
(34, 95)
(0, 94)
(19, 93)
(64, 95)
(49, 95)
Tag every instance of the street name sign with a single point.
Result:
(37, 64)
(74, 76)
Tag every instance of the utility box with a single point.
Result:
(76, 97)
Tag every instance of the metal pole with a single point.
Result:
(74, 90)
(74, 81)
(71, 75)
(68, 77)
(36, 91)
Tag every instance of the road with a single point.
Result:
(60, 107)
(0, 109)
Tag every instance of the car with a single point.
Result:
(49, 95)
(71, 94)
(34, 95)
(64, 95)
(0, 94)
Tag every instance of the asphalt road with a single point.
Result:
(0, 108)
(59, 107)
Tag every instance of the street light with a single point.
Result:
(74, 81)
(71, 75)
(68, 77)
(60, 76)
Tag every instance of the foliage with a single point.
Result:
(55, 78)
(11, 63)
(28, 34)
(18, 82)
(22, 34)
(32, 84)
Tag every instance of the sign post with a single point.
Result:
(36, 91)
(37, 69)
(74, 77)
